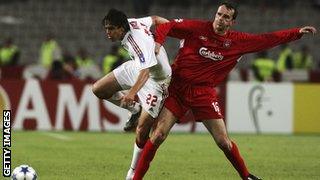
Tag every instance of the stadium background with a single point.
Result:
(78, 23)
(290, 107)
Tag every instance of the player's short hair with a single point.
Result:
(231, 6)
(116, 18)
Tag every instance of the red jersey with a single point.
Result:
(205, 57)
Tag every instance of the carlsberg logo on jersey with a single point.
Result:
(203, 51)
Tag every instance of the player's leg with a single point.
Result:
(144, 126)
(133, 118)
(218, 131)
(108, 88)
(142, 134)
(152, 96)
(135, 110)
(166, 120)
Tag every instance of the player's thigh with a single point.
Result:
(145, 120)
(126, 74)
(217, 129)
(106, 86)
(165, 122)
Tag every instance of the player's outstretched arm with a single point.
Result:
(156, 20)
(307, 30)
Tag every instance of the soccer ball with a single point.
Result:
(24, 172)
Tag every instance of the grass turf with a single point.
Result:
(83, 155)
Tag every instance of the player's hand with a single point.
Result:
(157, 48)
(307, 30)
(127, 100)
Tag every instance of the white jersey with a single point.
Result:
(139, 42)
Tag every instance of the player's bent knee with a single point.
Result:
(98, 91)
(224, 144)
(159, 137)
(95, 89)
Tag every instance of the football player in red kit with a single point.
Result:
(209, 52)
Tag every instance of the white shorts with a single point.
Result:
(151, 95)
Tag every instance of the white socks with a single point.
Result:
(135, 158)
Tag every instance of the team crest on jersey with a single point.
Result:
(227, 43)
(203, 38)
(134, 24)
(178, 20)
(205, 52)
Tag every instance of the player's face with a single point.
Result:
(223, 19)
(113, 33)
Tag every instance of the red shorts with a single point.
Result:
(201, 100)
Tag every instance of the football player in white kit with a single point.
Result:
(147, 75)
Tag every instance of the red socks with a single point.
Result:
(147, 156)
(150, 150)
(237, 161)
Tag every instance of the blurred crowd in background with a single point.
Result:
(56, 63)
(36, 41)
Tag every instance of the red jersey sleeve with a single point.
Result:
(178, 28)
(249, 43)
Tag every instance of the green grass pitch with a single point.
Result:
(95, 156)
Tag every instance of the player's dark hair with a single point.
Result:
(116, 18)
(231, 6)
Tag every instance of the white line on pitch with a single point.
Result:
(58, 136)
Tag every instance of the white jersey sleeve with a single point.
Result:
(140, 43)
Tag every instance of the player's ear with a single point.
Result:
(122, 29)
